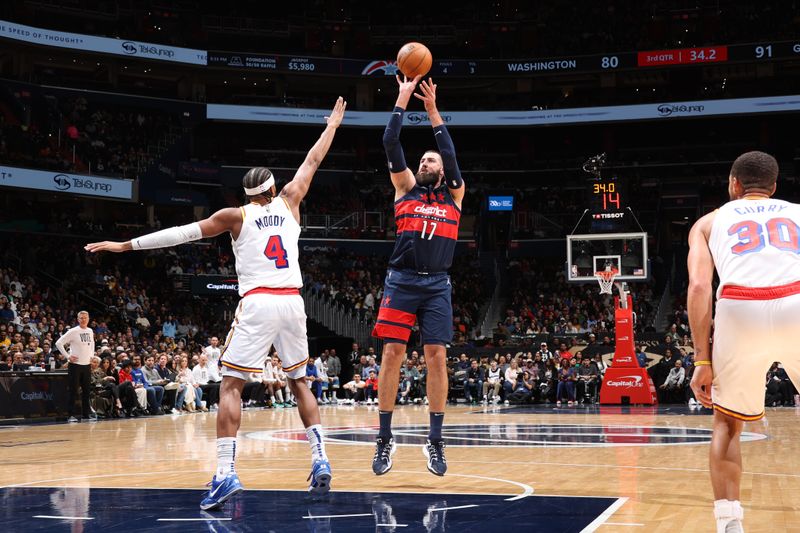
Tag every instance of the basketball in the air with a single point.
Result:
(414, 59)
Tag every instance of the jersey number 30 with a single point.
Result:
(783, 234)
(276, 252)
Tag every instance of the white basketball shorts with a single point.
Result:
(267, 317)
(753, 328)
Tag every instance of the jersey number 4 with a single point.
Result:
(276, 252)
(782, 233)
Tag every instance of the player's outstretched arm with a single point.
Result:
(452, 174)
(699, 304)
(402, 177)
(228, 219)
(296, 190)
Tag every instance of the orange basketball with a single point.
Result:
(414, 59)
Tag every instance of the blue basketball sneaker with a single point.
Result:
(221, 491)
(320, 478)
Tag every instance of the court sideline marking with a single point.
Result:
(605, 515)
(527, 490)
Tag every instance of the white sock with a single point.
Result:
(279, 395)
(226, 455)
(725, 511)
(315, 439)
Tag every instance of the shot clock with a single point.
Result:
(607, 199)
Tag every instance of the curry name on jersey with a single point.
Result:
(756, 242)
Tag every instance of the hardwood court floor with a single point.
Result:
(654, 460)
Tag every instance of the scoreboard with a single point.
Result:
(607, 199)
(609, 62)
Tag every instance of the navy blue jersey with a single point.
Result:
(427, 230)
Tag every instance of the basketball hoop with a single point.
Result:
(606, 279)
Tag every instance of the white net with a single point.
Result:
(606, 280)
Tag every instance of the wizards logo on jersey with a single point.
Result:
(427, 230)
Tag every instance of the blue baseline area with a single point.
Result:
(38, 509)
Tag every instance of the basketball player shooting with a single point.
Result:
(754, 243)
(265, 235)
(427, 210)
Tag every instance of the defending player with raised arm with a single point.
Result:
(427, 210)
(265, 234)
(753, 241)
(230, 219)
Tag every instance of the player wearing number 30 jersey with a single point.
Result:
(754, 243)
(265, 235)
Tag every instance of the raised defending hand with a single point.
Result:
(337, 114)
(428, 96)
(105, 246)
(701, 384)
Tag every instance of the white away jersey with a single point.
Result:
(756, 243)
(267, 249)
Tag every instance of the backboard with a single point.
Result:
(590, 253)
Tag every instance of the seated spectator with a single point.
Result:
(409, 383)
(134, 399)
(474, 383)
(313, 380)
(587, 381)
(334, 365)
(170, 379)
(524, 390)
(103, 378)
(371, 388)
(354, 390)
(204, 376)
(491, 387)
(674, 380)
(153, 377)
(322, 373)
(566, 383)
(641, 357)
(283, 381)
(155, 394)
(254, 391)
(779, 387)
(272, 384)
(513, 373)
(191, 396)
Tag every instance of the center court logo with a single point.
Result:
(62, 182)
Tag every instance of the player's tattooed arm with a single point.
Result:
(296, 190)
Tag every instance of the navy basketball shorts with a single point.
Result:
(408, 296)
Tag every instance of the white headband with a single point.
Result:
(264, 187)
